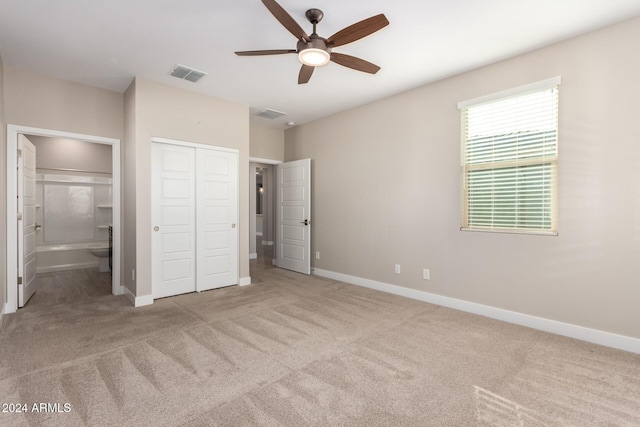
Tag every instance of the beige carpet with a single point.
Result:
(292, 350)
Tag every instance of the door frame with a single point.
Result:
(13, 131)
(252, 195)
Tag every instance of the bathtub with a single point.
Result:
(68, 256)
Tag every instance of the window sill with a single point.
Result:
(501, 231)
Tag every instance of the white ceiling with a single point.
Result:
(107, 43)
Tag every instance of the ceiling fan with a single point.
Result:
(315, 51)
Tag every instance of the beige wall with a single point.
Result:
(64, 154)
(44, 102)
(167, 112)
(386, 190)
(3, 195)
(266, 142)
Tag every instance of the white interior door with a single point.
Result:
(217, 213)
(26, 221)
(173, 220)
(294, 216)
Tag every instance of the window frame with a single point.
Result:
(552, 83)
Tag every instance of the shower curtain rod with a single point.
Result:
(72, 170)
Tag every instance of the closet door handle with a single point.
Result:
(233, 226)
(156, 228)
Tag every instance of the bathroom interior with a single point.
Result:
(74, 216)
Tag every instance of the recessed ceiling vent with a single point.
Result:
(186, 73)
(271, 114)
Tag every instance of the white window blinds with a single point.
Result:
(510, 161)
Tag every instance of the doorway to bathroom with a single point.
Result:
(73, 221)
(66, 211)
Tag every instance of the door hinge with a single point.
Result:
(19, 280)
(19, 216)
(19, 153)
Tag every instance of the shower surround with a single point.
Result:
(74, 213)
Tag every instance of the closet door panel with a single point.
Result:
(173, 216)
(217, 200)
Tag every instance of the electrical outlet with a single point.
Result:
(317, 254)
(426, 274)
(397, 269)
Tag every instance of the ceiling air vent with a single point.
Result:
(271, 114)
(186, 73)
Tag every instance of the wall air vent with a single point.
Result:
(271, 114)
(186, 73)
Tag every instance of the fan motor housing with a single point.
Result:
(315, 43)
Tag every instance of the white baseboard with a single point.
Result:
(253, 256)
(244, 281)
(121, 290)
(138, 301)
(267, 243)
(595, 336)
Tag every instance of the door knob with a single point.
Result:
(306, 222)
(156, 228)
(233, 226)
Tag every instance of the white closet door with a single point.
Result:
(173, 204)
(217, 215)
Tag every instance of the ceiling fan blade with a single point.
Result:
(265, 52)
(286, 20)
(354, 63)
(305, 74)
(358, 30)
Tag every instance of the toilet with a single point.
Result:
(103, 254)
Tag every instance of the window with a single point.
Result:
(509, 160)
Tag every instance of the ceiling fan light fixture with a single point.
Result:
(315, 51)
(314, 57)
